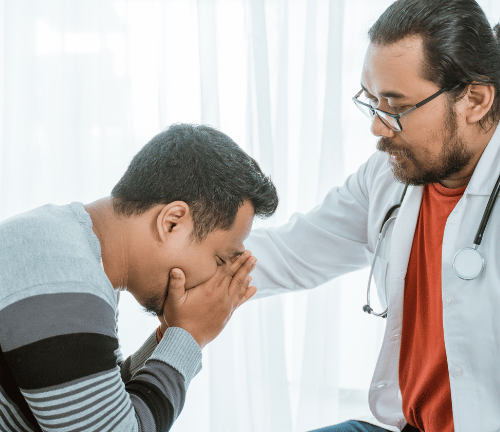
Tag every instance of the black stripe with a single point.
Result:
(61, 359)
(157, 402)
(9, 386)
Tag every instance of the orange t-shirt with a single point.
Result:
(423, 367)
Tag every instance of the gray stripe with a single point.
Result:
(77, 403)
(57, 389)
(8, 420)
(15, 418)
(109, 416)
(116, 423)
(5, 427)
(12, 409)
(127, 410)
(143, 353)
(54, 315)
(112, 382)
(118, 351)
(85, 425)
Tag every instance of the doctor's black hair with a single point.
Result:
(460, 47)
(201, 166)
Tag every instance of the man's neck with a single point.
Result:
(110, 230)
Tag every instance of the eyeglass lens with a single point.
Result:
(388, 121)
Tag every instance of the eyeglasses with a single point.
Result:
(388, 119)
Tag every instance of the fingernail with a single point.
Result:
(175, 274)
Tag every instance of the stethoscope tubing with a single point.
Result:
(383, 231)
(487, 213)
(477, 241)
(388, 219)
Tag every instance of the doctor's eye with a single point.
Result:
(399, 109)
(369, 99)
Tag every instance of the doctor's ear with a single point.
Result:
(479, 99)
(173, 217)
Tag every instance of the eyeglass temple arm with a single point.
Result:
(435, 95)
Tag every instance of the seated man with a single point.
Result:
(176, 220)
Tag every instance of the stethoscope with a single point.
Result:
(468, 263)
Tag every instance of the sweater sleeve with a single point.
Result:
(61, 347)
(136, 361)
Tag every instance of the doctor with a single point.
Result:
(431, 86)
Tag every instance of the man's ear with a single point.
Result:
(479, 101)
(172, 217)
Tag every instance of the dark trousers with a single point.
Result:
(357, 426)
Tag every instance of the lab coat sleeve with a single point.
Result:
(315, 247)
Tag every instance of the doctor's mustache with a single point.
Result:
(386, 145)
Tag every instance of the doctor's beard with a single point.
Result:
(454, 157)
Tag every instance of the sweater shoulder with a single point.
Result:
(51, 246)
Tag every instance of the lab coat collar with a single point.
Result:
(487, 169)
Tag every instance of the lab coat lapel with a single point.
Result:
(401, 243)
(388, 405)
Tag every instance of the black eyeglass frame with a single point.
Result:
(375, 111)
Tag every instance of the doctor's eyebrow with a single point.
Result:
(386, 95)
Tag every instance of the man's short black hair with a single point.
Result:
(201, 166)
(460, 47)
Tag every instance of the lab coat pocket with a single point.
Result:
(381, 280)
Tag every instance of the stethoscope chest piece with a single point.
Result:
(468, 263)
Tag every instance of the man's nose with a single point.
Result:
(379, 129)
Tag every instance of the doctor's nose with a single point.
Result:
(379, 129)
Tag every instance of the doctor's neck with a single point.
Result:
(477, 144)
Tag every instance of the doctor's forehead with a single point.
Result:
(393, 70)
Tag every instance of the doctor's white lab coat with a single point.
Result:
(339, 236)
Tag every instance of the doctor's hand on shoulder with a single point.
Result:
(205, 310)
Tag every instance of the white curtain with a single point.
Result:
(85, 83)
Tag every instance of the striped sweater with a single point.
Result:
(60, 363)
